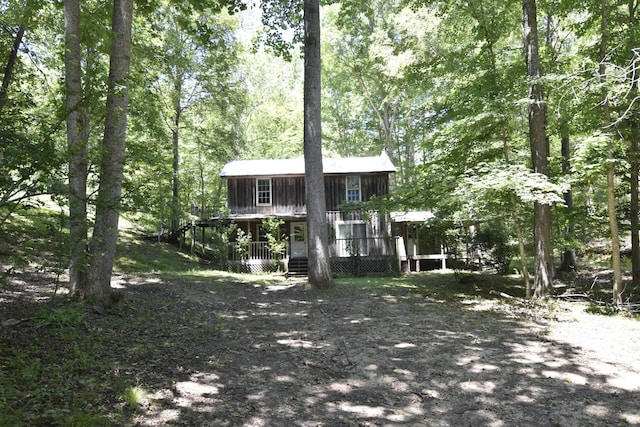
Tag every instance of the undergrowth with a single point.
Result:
(59, 378)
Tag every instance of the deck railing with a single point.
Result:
(369, 246)
(255, 250)
(341, 248)
(337, 216)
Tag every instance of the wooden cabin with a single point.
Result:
(360, 242)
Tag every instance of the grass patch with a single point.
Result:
(136, 254)
(34, 236)
(602, 309)
(134, 396)
(63, 317)
(58, 379)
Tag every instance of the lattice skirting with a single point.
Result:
(256, 266)
(354, 266)
(363, 266)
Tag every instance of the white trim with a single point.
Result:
(342, 251)
(258, 192)
(346, 186)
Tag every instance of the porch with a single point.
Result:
(360, 243)
(357, 256)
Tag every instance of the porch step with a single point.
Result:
(298, 266)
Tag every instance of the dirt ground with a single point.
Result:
(220, 352)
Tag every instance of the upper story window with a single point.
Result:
(353, 189)
(263, 191)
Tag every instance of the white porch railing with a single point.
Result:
(255, 250)
(369, 247)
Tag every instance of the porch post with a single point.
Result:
(193, 236)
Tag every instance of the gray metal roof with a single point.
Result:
(276, 167)
(412, 216)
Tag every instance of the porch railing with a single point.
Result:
(336, 216)
(369, 246)
(255, 250)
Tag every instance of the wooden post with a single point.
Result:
(193, 236)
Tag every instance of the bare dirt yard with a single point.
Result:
(214, 349)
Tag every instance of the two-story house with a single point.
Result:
(260, 189)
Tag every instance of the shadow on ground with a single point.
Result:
(205, 350)
(262, 356)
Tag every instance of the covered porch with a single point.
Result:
(355, 245)
(421, 247)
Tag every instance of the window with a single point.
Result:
(263, 191)
(353, 189)
(352, 239)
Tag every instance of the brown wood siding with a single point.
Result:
(287, 196)
(374, 185)
(370, 185)
(288, 193)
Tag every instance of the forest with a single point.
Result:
(447, 91)
(117, 117)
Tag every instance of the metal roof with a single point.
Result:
(277, 167)
(412, 216)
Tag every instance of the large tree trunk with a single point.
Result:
(77, 136)
(634, 122)
(611, 197)
(175, 135)
(105, 234)
(543, 265)
(319, 267)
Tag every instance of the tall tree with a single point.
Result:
(319, 267)
(105, 233)
(198, 62)
(77, 137)
(634, 150)
(610, 169)
(543, 265)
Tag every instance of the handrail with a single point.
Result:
(255, 250)
(363, 246)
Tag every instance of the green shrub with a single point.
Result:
(65, 317)
(493, 239)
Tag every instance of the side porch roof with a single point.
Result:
(412, 216)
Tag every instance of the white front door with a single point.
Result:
(298, 240)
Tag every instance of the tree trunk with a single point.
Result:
(77, 137)
(11, 62)
(634, 122)
(319, 267)
(175, 134)
(611, 197)
(569, 254)
(634, 208)
(543, 265)
(105, 234)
